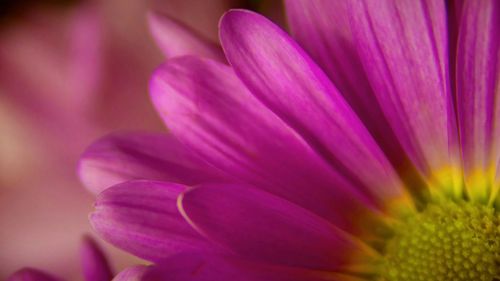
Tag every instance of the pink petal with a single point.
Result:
(262, 227)
(94, 263)
(196, 267)
(330, 45)
(478, 92)
(322, 29)
(403, 48)
(120, 157)
(454, 15)
(280, 74)
(135, 273)
(207, 108)
(30, 274)
(176, 39)
(141, 217)
(48, 47)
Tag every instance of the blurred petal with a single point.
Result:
(94, 263)
(30, 274)
(56, 70)
(120, 157)
(86, 61)
(45, 56)
(176, 39)
(201, 16)
(403, 48)
(280, 74)
(332, 47)
(478, 89)
(141, 217)
(196, 267)
(135, 273)
(265, 228)
(209, 109)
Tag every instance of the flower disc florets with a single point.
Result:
(447, 241)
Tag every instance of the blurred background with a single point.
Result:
(70, 72)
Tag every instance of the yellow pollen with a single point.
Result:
(445, 242)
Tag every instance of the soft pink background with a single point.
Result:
(66, 78)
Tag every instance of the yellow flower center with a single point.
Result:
(445, 242)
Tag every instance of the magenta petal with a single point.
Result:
(141, 217)
(322, 28)
(195, 267)
(478, 93)
(94, 263)
(280, 74)
(262, 227)
(31, 274)
(207, 107)
(121, 157)
(199, 267)
(403, 47)
(330, 45)
(135, 273)
(176, 39)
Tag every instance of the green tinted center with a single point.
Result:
(445, 242)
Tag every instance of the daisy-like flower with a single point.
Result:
(365, 150)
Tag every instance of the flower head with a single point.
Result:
(370, 155)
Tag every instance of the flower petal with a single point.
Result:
(478, 92)
(135, 273)
(120, 157)
(262, 227)
(31, 274)
(208, 108)
(196, 267)
(94, 264)
(176, 39)
(286, 80)
(403, 48)
(141, 217)
(332, 47)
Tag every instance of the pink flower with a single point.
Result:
(370, 155)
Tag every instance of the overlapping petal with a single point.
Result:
(208, 109)
(262, 227)
(303, 165)
(141, 217)
(176, 39)
(196, 267)
(322, 29)
(330, 45)
(403, 48)
(478, 93)
(135, 273)
(120, 157)
(283, 77)
(95, 266)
